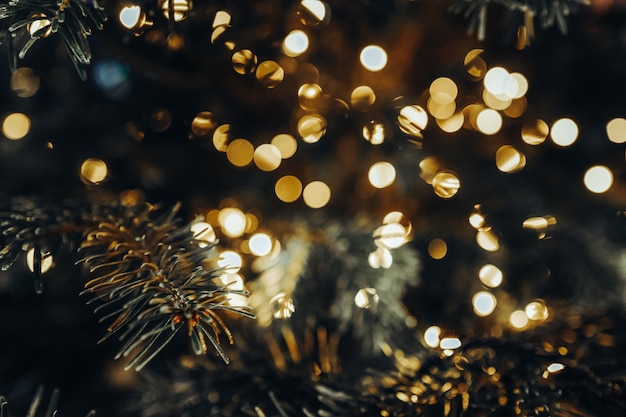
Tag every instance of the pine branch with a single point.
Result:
(74, 20)
(51, 410)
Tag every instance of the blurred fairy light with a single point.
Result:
(24, 82)
(412, 120)
(501, 84)
(441, 111)
(518, 319)
(267, 157)
(288, 188)
(309, 96)
(270, 74)
(130, 16)
(429, 167)
(484, 303)
(45, 261)
(446, 184)
(15, 126)
(535, 132)
(489, 121)
(381, 174)
(252, 222)
(431, 336)
(487, 239)
(366, 298)
(509, 159)
(564, 132)
(221, 23)
(160, 119)
(282, 306)
(40, 26)
(232, 281)
(598, 179)
(180, 9)
(616, 130)
(474, 64)
(286, 145)
(231, 261)
(311, 128)
(296, 43)
(490, 275)
(244, 61)
(536, 310)
(222, 18)
(204, 233)
(443, 90)
(476, 218)
(260, 244)
(380, 258)
(203, 124)
(374, 133)
(233, 221)
(313, 12)
(399, 218)
(555, 367)
(437, 249)
(452, 124)
(373, 58)
(362, 97)
(450, 343)
(316, 194)
(93, 171)
(240, 152)
(221, 137)
(390, 236)
(540, 224)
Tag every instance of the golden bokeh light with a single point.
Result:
(450, 343)
(381, 174)
(44, 262)
(309, 96)
(282, 306)
(203, 124)
(260, 244)
(286, 144)
(240, 152)
(390, 236)
(311, 128)
(540, 224)
(373, 58)
(380, 258)
(509, 159)
(366, 298)
(233, 221)
(93, 171)
(429, 167)
(221, 137)
(270, 74)
(446, 184)
(598, 179)
(204, 233)
(487, 239)
(564, 132)
(222, 18)
(517, 108)
(313, 12)
(490, 275)
(489, 122)
(252, 222)
(160, 119)
(399, 218)
(412, 120)
(476, 218)
(518, 319)
(536, 310)
(180, 9)
(431, 336)
(15, 126)
(24, 82)
(267, 157)
(535, 132)
(244, 61)
(232, 281)
(522, 85)
(555, 367)
(499, 82)
(288, 188)
(496, 102)
(374, 133)
(452, 124)
(362, 97)
(231, 261)
(441, 110)
(443, 90)
(131, 16)
(474, 64)
(296, 43)
(616, 130)
(316, 194)
(437, 249)
(40, 27)
(483, 303)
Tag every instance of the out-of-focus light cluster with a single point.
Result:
(540, 224)
(509, 159)
(180, 9)
(93, 171)
(313, 12)
(534, 312)
(366, 298)
(486, 236)
(134, 18)
(395, 231)
(43, 263)
(445, 183)
(15, 126)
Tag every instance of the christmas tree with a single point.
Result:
(306, 208)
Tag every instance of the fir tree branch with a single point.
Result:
(51, 410)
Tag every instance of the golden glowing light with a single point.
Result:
(450, 343)
(564, 132)
(429, 167)
(244, 61)
(222, 18)
(203, 124)
(522, 85)
(260, 244)
(484, 303)
(381, 174)
(160, 119)
(252, 222)
(311, 128)
(517, 108)
(399, 218)
(316, 194)
(490, 275)
(286, 145)
(288, 188)
(476, 218)
(373, 58)
(489, 122)
(536, 310)
(221, 137)
(270, 74)
(598, 179)
(24, 82)
(437, 248)
(240, 152)
(380, 258)
(487, 239)
(535, 132)
(40, 27)
(233, 221)
(412, 120)
(555, 367)
(446, 184)
(296, 43)
(509, 159)
(443, 90)
(204, 233)
(282, 306)
(439, 110)
(15, 126)
(231, 261)
(267, 157)
(362, 97)
(45, 261)
(539, 225)
(496, 102)
(180, 8)
(130, 16)
(498, 82)
(93, 171)
(309, 96)
(431, 336)
(232, 281)
(452, 124)
(518, 319)
(374, 133)
(474, 64)
(313, 12)
(616, 130)
(366, 298)
(390, 236)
